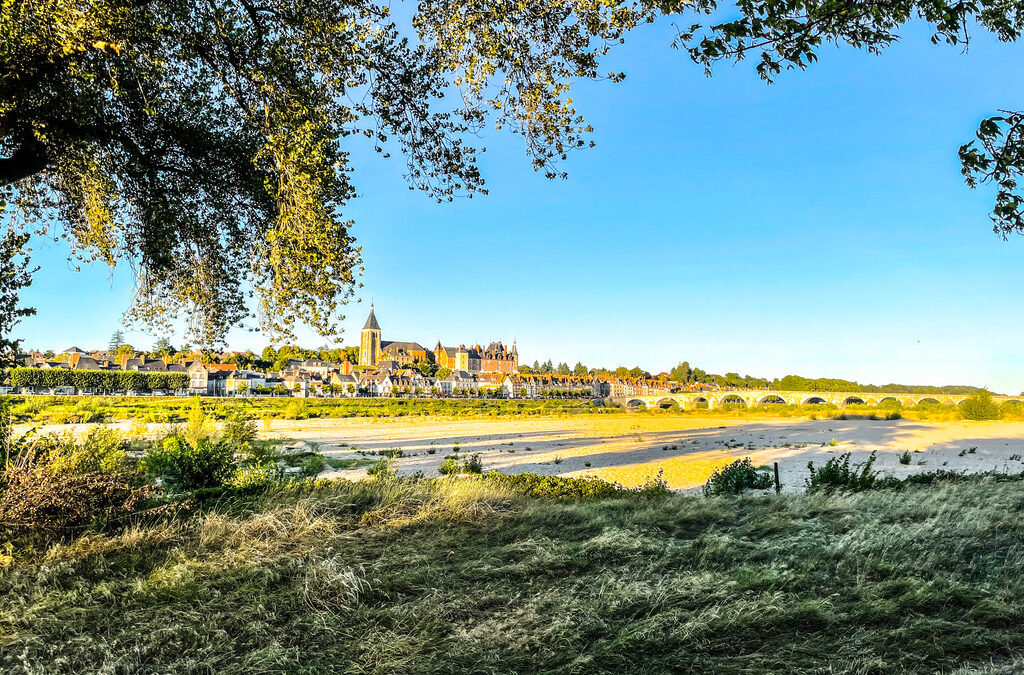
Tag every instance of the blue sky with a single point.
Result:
(816, 226)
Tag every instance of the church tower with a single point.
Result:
(369, 341)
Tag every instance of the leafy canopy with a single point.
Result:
(207, 143)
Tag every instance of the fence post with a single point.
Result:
(778, 485)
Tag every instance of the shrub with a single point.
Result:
(472, 464)
(836, 474)
(183, 466)
(895, 415)
(296, 409)
(313, 466)
(239, 430)
(102, 451)
(383, 469)
(449, 466)
(571, 489)
(736, 478)
(905, 457)
(37, 498)
(980, 406)
(256, 475)
(197, 427)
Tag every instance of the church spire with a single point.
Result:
(371, 321)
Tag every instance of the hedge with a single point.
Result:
(100, 380)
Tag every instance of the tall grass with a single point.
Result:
(464, 575)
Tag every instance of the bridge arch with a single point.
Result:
(928, 400)
(853, 400)
(635, 403)
(813, 400)
(889, 402)
(772, 399)
(732, 400)
(698, 402)
(666, 403)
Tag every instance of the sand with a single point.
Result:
(632, 448)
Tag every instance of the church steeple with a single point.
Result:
(371, 321)
(369, 341)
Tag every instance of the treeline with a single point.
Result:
(99, 380)
(684, 374)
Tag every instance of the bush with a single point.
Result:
(197, 427)
(905, 457)
(239, 430)
(102, 451)
(736, 478)
(256, 475)
(382, 470)
(836, 474)
(35, 497)
(313, 466)
(893, 416)
(980, 406)
(449, 465)
(472, 464)
(183, 466)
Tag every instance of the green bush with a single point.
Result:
(239, 429)
(736, 478)
(905, 457)
(313, 466)
(837, 474)
(893, 416)
(980, 406)
(383, 469)
(449, 465)
(183, 466)
(256, 475)
(102, 451)
(472, 464)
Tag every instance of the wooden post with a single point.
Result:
(778, 485)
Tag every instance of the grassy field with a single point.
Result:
(461, 576)
(84, 409)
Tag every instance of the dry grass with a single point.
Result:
(459, 576)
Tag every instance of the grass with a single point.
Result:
(461, 575)
(81, 409)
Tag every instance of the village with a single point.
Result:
(384, 368)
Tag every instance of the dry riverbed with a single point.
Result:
(630, 449)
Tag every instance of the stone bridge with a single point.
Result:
(757, 397)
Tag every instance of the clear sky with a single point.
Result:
(818, 226)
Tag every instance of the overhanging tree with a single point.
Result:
(207, 143)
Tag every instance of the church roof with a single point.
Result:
(371, 321)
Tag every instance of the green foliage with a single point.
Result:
(837, 475)
(313, 465)
(472, 464)
(197, 425)
(257, 475)
(905, 457)
(736, 478)
(102, 451)
(15, 276)
(183, 465)
(572, 489)
(384, 469)
(239, 429)
(449, 466)
(98, 380)
(980, 406)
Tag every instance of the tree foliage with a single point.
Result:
(208, 144)
(15, 275)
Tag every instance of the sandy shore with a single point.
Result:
(632, 448)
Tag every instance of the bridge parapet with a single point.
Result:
(757, 397)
